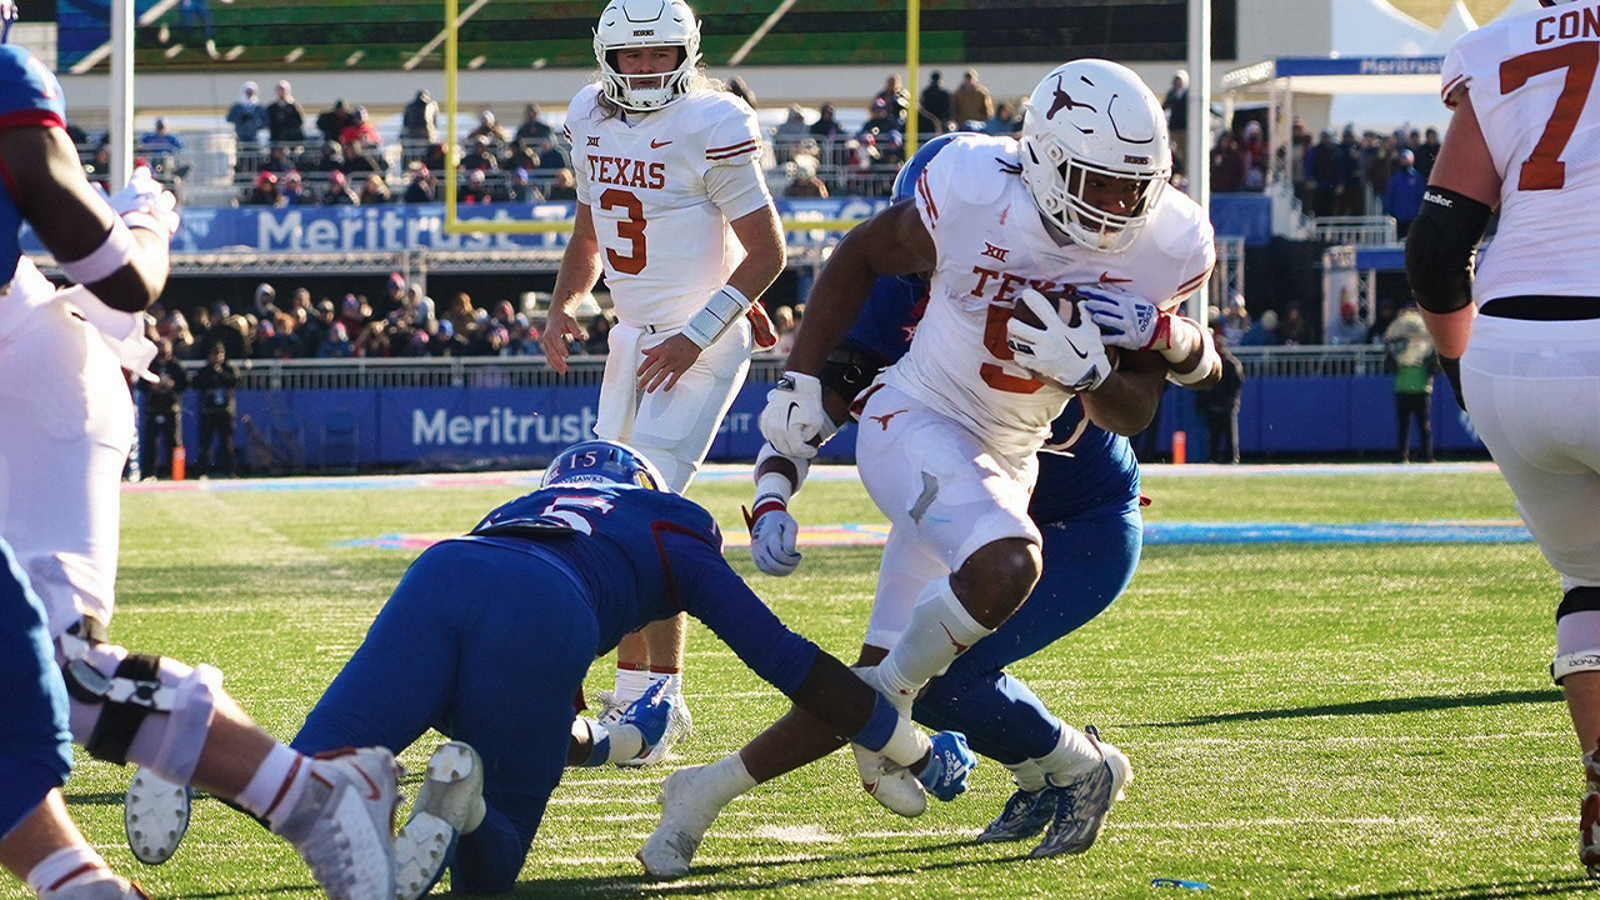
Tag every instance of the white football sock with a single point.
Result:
(1074, 756)
(277, 785)
(940, 630)
(724, 780)
(1028, 776)
(75, 864)
(631, 684)
(674, 682)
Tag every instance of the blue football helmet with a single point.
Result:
(912, 170)
(603, 462)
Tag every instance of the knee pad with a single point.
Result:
(138, 707)
(1577, 633)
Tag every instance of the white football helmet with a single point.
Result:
(1093, 119)
(646, 23)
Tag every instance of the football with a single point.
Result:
(1066, 295)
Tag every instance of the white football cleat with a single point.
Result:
(155, 816)
(343, 824)
(449, 804)
(684, 820)
(893, 786)
(680, 724)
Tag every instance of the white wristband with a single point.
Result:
(714, 319)
(1183, 336)
(1209, 359)
(116, 252)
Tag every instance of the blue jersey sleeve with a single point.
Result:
(888, 321)
(704, 586)
(29, 93)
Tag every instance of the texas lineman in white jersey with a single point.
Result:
(948, 433)
(1518, 340)
(674, 210)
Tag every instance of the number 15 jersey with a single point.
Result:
(664, 241)
(1532, 81)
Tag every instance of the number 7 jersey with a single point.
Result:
(665, 243)
(1532, 82)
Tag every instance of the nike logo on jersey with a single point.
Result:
(657, 144)
(1108, 278)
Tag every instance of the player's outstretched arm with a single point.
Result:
(893, 242)
(122, 260)
(579, 273)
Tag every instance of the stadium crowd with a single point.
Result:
(402, 322)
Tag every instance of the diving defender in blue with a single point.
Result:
(489, 635)
(1087, 506)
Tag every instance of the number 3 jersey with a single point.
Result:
(663, 230)
(991, 244)
(1532, 81)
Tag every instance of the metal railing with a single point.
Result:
(534, 372)
(1358, 230)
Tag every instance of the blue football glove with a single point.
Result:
(649, 714)
(949, 764)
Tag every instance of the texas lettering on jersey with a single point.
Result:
(633, 173)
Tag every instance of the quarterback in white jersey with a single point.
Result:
(1518, 339)
(948, 433)
(674, 210)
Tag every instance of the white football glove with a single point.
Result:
(144, 202)
(772, 538)
(1127, 320)
(1070, 355)
(793, 416)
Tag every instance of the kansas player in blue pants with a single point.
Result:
(489, 635)
(1087, 506)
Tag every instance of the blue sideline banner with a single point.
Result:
(448, 427)
(458, 427)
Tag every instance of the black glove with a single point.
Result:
(1452, 372)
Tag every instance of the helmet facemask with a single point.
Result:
(638, 24)
(1094, 153)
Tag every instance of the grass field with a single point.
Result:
(1353, 720)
